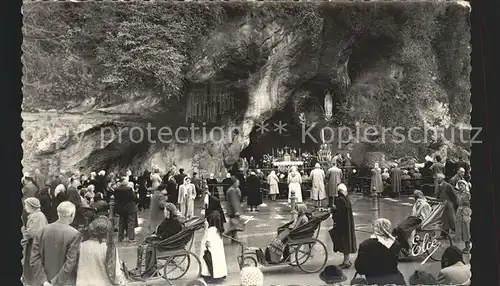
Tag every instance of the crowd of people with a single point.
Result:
(67, 216)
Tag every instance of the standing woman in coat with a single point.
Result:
(318, 193)
(35, 223)
(376, 182)
(187, 195)
(294, 182)
(273, 180)
(233, 208)
(343, 236)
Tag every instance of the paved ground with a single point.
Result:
(261, 229)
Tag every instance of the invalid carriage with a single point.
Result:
(306, 251)
(430, 240)
(174, 256)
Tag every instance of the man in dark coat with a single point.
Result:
(450, 168)
(343, 234)
(243, 185)
(179, 178)
(446, 193)
(254, 196)
(396, 174)
(127, 209)
(226, 183)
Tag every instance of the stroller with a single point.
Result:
(170, 258)
(430, 240)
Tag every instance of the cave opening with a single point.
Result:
(262, 143)
(369, 53)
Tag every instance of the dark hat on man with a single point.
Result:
(332, 274)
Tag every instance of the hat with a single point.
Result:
(32, 202)
(251, 276)
(332, 274)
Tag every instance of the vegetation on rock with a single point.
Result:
(388, 64)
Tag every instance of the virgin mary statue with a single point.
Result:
(328, 105)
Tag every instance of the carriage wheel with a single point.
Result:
(311, 256)
(444, 243)
(177, 266)
(247, 261)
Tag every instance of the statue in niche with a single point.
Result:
(302, 118)
(328, 105)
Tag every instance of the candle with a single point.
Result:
(272, 150)
(299, 151)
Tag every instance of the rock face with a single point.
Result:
(155, 84)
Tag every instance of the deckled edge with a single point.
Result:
(460, 2)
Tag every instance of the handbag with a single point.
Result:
(237, 224)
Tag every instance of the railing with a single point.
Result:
(355, 184)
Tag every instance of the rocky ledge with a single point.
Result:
(110, 68)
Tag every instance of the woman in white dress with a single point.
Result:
(294, 182)
(187, 195)
(98, 261)
(212, 256)
(273, 180)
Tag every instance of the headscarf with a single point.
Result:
(214, 205)
(467, 189)
(381, 231)
(317, 166)
(419, 194)
(451, 255)
(301, 209)
(171, 209)
(342, 188)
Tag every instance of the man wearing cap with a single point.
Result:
(36, 222)
(29, 190)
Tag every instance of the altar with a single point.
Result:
(285, 158)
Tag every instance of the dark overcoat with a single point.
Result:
(446, 193)
(344, 235)
(396, 174)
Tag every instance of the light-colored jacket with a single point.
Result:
(36, 221)
(456, 274)
(421, 209)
